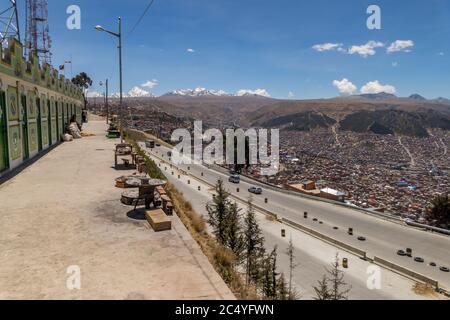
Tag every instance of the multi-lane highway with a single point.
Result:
(383, 237)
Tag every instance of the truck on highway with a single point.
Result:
(235, 178)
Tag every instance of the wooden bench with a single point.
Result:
(158, 220)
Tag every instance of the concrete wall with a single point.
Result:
(35, 105)
(405, 271)
(326, 238)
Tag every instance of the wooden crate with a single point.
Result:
(121, 184)
(161, 191)
(158, 220)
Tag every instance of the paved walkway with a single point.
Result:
(64, 211)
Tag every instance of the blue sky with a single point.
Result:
(249, 44)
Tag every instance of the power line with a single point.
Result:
(142, 16)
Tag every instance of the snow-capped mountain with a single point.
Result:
(94, 94)
(203, 92)
(198, 92)
(253, 93)
(135, 92)
(442, 100)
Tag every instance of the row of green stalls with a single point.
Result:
(36, 103)
(30, 123)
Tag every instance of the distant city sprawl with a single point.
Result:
(399, 173)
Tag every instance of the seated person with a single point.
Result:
(74, 128)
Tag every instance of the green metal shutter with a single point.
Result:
(4, 159)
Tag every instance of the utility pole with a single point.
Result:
(37, 36)
(119, 36)
(106, 102)
(105, 99)
(9, 22)
(121, 76)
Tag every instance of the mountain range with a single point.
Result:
(380, 113)
(198, 92)
(203, 92)
(388, 96)
(138, 92)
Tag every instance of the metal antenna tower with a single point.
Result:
(37, 37)
(9, 21)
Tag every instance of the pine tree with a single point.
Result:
(218, 211)
(293, 294)
(282, 289)
(322, 291)
(270, 276)
(234, 234)
(253, 246)
(338, 287)
(439, 213)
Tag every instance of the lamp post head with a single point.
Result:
(99, 28)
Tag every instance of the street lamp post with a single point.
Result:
(119, 36)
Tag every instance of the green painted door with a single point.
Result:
(39, 123)
(57, 118)
(63, 114)
(4, 161)
(25, 149)
(49, 118)
(58, 125)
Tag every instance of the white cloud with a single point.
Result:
(328, 47)
(190, 50)
(400, 45)
(150, 84)
(345, 87)
(441, 54)
(374, 87)
(259, 92)
(395, 64)
(291, 94)
(367, 49)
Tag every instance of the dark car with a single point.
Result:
(150, 144)
(255, 190)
